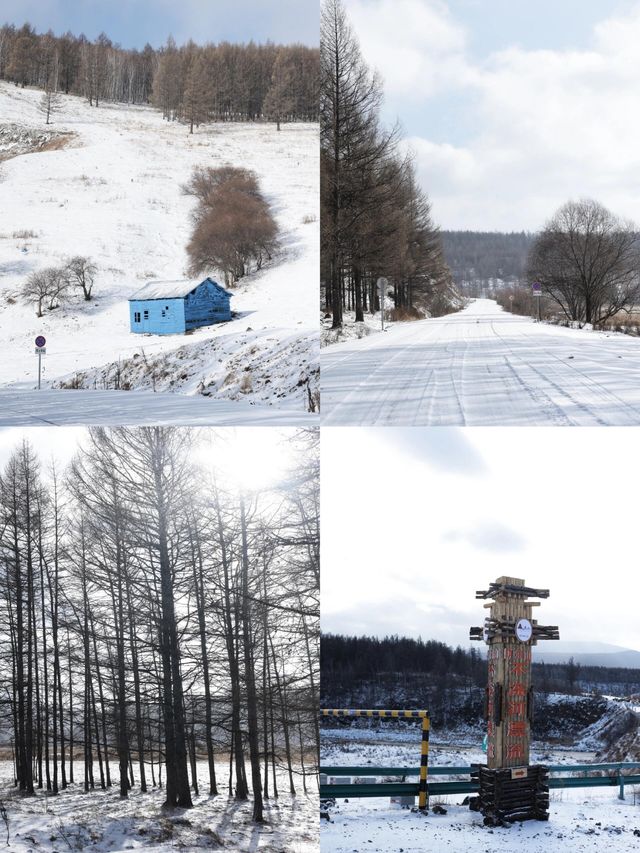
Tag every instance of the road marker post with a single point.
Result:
(536, 289)
(382, 283)
(41, 349)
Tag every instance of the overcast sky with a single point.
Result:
(414, 521)
(511, 108)
(132, 23)
(247, 458)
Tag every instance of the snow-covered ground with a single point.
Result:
(100, 821)
(581, 820)
(482, 367)
(350, 330)
(129, 408)
(113, 192)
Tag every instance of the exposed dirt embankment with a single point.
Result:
(16, 140)
(619, 732)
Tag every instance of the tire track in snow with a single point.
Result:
(588, 383)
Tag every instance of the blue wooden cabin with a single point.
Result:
(175, 307)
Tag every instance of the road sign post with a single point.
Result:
(41, 350)
(536, 289)
(382, 290)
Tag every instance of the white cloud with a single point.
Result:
(546, 125)
(416, 46)
(486, 535)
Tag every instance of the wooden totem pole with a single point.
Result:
(510, 788)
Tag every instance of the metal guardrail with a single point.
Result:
(421, 715)
(466, 786)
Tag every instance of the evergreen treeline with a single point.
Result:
(375, 219)
(150, 617)
(347, 661)
(356, 658)
(190, 83)
(478, 258)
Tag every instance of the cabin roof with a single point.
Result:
(170, 289)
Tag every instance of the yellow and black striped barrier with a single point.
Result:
(423, 791)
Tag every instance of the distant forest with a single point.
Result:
(190, 83)
(477, 258)
(347, 662)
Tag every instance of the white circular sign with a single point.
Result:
(524, 631)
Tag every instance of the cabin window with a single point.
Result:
(164, 313)
(166, 307)
(136, 317)
(146, 314)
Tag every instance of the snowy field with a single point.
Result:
(113, 192)
(581, 820)
(100, 821)
(482, 367)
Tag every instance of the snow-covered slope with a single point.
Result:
(482, 367)
(111, 190)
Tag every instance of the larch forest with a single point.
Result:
(376, 220)
(189, 83)
(153, 615)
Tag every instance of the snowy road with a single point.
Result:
(482, 367)
(122, 408)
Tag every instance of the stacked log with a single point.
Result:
(512, 794)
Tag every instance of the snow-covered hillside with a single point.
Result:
(111, 189)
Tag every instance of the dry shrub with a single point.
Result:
(58, 142)
(233, 226)
(406, 313)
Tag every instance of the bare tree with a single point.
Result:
(58, 286)
(50, 103)
(35, 290)
(279, 102)
(48, 286)
(588, 262)
(198, 94)
(81, 272)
